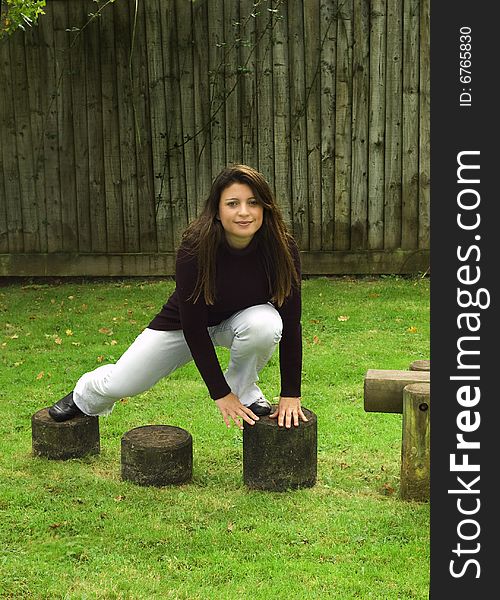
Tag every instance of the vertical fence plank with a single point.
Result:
(144, 159)
(217, 54)
(281, 112)
(232, 38)
(202, 104)
(175, 134)
(249, 114)
(77, 17)
(158, 119)
(424, 128)
(65, 129)
(31, 46)
(185, 48)
(343, 127)
(111, 132)
(265, 132)
(298, 124)
(128, 165)
(49, 92)
(410, 90)
(360, 95)
(393, 117)
(24, 145)
(376, 142)
(9, 155)
(312, 44)
(5, 110)
(328, 35)
(94, 132)
(164, 213)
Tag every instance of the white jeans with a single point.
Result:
(250, 334)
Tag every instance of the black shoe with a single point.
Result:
(260, 407)
(64, 409)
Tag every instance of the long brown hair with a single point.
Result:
(204, 236)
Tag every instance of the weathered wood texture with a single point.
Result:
(60, 441)
(383, 389)
(415, 447)
(157, 455)
(112, 128)
(276, 458)
(420, 365)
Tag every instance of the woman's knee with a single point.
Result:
(261, 324)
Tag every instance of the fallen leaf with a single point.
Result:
(71, 297)
(85, 306)
(40, 375)
(119, 498)
(52, 300)
(14, 337)
(105, 330)
(343, 318)
(69, 332)
(387, 489)
(100, 358)
(58, 340)
(412, 330)
(114, 342)
(75, 343)
(230, 527)
(316, 340)
(315, 321)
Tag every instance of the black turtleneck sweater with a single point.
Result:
(241, 282)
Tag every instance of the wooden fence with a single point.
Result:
(115, 117)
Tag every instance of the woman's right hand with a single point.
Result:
(232, 408)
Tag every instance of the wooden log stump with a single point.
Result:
(74, 438)
(383, 389)
(420, 365)
(415, 448)
(276, 458)
(157, 455)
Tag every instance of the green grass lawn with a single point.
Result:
(73, 529)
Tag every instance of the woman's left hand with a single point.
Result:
(288, 410)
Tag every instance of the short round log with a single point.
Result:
(415, 447)
(157, 455)
(74, 438)
(420, 365)
(276, 458)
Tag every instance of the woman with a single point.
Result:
(238, 286)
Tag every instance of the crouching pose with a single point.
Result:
(237, 286)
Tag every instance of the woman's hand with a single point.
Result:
(288, 409)
(232, 408)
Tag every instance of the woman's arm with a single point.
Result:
(194, 324)
(289, 409)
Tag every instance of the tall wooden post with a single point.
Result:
(415, 448)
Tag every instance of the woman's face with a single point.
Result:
(240, 213)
